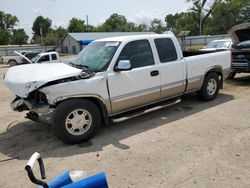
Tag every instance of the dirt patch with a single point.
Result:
(192, 144)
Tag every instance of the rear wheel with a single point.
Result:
(210, 87)
(12, 63)
(76, 120)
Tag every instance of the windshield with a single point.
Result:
(96, 55)
(34, 59)
(218, 44)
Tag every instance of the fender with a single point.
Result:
(98, 100)
(217, 69)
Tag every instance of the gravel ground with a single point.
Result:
(192, 144)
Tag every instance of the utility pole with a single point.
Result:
(41, 33)
(201, 17)
(87, 22)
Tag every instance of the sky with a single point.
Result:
(61, 11)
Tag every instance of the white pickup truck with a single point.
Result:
(114, 79)
(13, 59)
(45, 57)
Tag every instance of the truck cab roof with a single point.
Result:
(134, 37)
(47, 53)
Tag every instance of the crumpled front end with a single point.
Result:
(25, 81)
(37, 106)
(36, 102)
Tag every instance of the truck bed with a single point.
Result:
(194, 53)
(198, 65)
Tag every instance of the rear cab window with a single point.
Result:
(53, 57)
(166, 49)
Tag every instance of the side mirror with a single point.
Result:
(123, 65)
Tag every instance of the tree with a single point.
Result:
(4, 36)
(51, 38)
(41, 26)
(7, 21)
(244, 14)
(115, 23)
(76, 25)
(142, 28)
(19, 37)
(227, 14)
(203, 9)
(157, 26)
(7, 24)
(61, 32)
(217, 17)
(118, 23)
(131, 27)
(55, 36)
(184, 21)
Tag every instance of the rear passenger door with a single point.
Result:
(136, 87)
(172, 71)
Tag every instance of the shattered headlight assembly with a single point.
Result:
(46, 94)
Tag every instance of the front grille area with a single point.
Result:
(37, 97)
(241, 61)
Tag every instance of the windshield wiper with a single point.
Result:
(78, 65)
(84, 67)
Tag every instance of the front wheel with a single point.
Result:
(76, 120)
(210, 87)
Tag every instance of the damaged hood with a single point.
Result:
(240, 33)
(23, 56)
(24, 79)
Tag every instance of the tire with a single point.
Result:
(76, 120)
(12, 63)
(210, 87)
(231, 75)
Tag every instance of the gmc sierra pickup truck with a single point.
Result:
(114, 79)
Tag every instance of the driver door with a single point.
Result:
(44, 59)
(136, 87)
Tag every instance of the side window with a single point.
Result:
(138, 52)
(166, 49)
(53, 57)
(44, 58)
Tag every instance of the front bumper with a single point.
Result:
(20, 104)
(241, 67)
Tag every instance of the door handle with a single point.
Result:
(154, 73)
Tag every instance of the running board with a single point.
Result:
(145, 110)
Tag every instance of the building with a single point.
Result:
(73, 43)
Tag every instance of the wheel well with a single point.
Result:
(12, 60)
(97, 102)
(218, 71)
